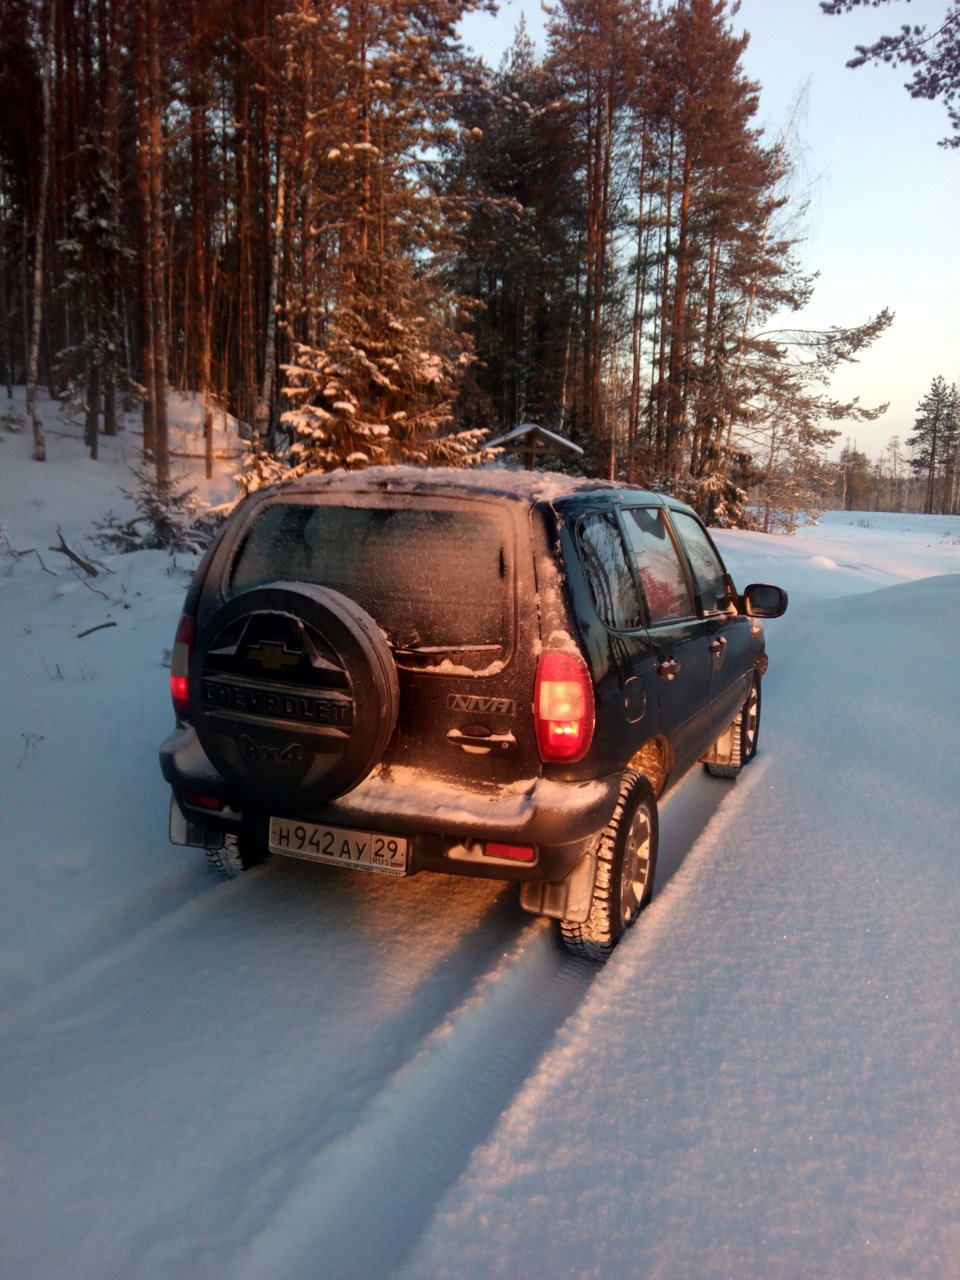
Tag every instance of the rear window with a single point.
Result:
(437, 578)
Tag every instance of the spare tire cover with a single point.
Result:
(294, 694)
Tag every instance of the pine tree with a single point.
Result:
(855, 479)
(597, 48)
(934, 56)
(787, 410)
(934, 444)
(724, 270)
(512, 172)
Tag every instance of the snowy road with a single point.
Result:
(295, 1035)
(292, 1066)
(315, 1074)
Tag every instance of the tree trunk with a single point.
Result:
(263, 423)
(147, 371)
(39, 444)
(91, 425)
(157, 247)
(678, 328)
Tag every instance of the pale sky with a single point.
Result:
(883, 224)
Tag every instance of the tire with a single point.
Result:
(627, 865)
(294, 694)
(234, 857)
(746, 731)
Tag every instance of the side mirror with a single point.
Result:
(761, 600)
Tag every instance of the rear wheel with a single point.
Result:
(627, 863)
(235, 856)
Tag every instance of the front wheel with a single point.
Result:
(746, 731)
(627, 864)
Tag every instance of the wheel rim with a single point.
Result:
(636, 864)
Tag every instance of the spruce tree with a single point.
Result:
(377, 345)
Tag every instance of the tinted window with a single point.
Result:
(608, 572)
(435, 579)
(661, 575)
(707, 569)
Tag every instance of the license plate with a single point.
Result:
(339, 846)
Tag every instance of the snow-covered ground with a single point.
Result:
(308, 1074)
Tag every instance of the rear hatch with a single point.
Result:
(449, 580)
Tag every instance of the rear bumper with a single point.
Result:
(445, 824)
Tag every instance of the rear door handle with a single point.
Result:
(718, 644)
(669, 668)
(482, 743)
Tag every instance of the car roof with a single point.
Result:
(500, 482)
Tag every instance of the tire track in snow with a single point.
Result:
(122, 925)
(299, 998)
(363, 1201)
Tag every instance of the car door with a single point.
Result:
(679, 635)
(729, 640)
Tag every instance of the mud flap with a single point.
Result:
(722, 750)
(566, 899)
(191, 834)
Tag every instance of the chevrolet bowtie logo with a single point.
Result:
(273, 656)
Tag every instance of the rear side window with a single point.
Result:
(608, 572)
(437, 579)
(707, 569)
(661, 574)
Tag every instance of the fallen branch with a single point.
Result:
(89, 569)
(29, 551)
(96, 590)
(90, 630)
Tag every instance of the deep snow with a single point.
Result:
(313, 1074)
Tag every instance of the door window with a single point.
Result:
(707, 569)
(661, 574)
(608, 572)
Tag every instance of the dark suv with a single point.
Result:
(481, 673)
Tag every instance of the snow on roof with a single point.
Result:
(530, 486)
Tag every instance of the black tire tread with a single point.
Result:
(234, 857)
(596, 938)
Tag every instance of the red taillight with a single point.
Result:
(180, 665)
(563, 706)
(202, 801)
(514, 852)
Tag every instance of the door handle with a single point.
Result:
(718, 644)
(669, 668)
(482, 743)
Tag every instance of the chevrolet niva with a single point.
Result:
(482, 673)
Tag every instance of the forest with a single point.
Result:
(331, 220)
